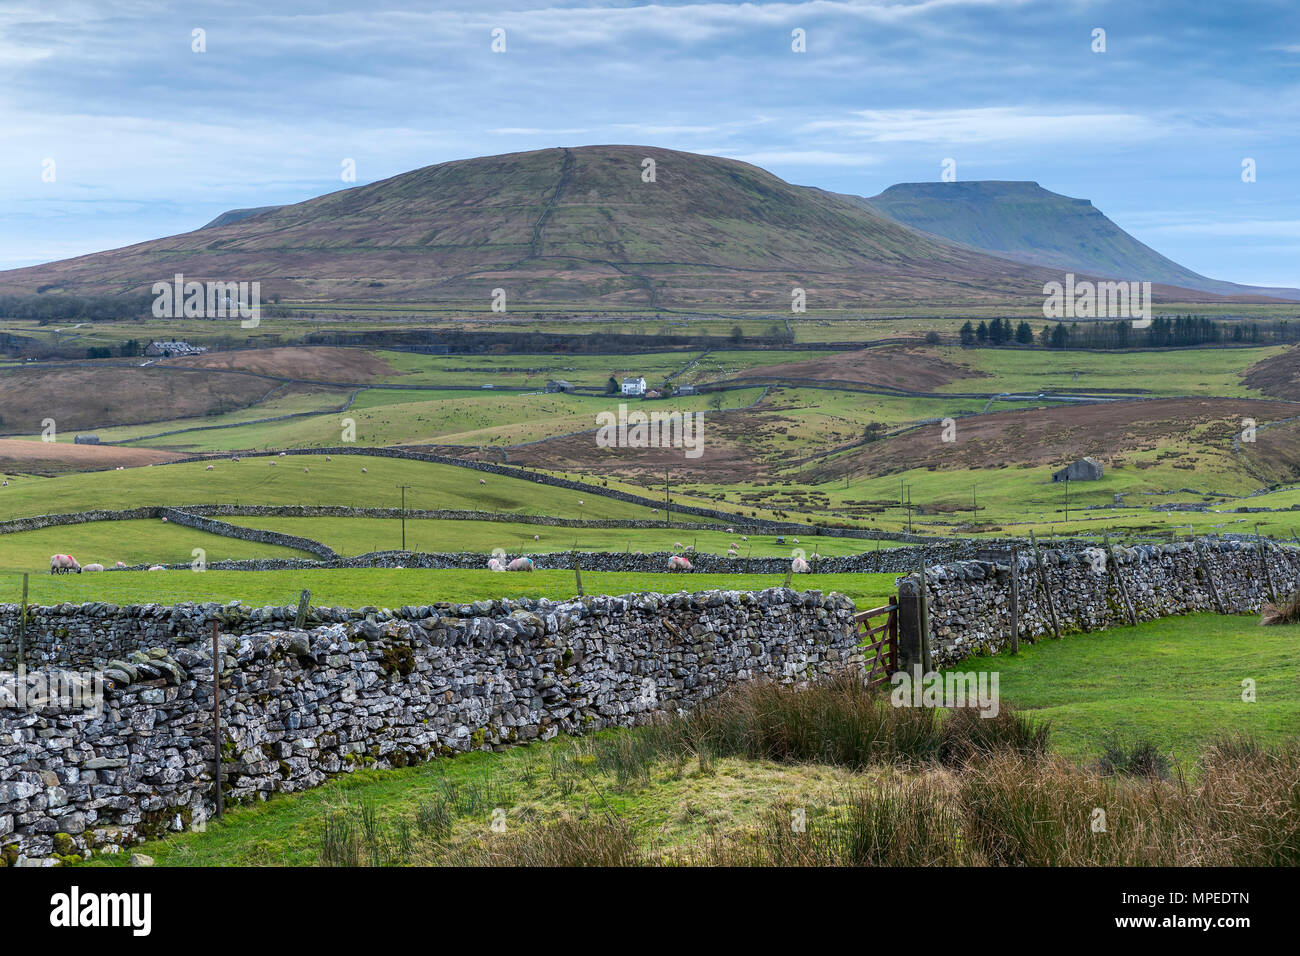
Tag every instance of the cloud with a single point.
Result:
(999, 124)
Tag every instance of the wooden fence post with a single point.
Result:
(910, 655)
(1047, 591)
(21, 662)
(1117, 574)
(216, 715)
(304, 603)
(1263, 563)
(923, 617)
(1209, 576)
(1015, 600)
(577, 571)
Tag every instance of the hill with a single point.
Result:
(1027, 223)
(564, 226)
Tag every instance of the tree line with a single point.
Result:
(1163, 332)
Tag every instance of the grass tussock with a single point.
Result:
(917, 790)
(1286, 611)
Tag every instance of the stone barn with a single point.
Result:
(1085, 469)
(86, 440)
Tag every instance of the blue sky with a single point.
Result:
(150, 138)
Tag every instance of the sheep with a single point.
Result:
(677, 544)
(209, 468)
(799, 566)
(537, 537)
(494, 564)
(63, 563)
(520, 564)
(678, 563)
(281, 454)
(579, 502)
(731, 531)
(363, 471)
(157, 567)
(272, 464)
(164, 520)
(328, 458)
(305, 471)
(744, 537)
(120, 564)
(482, 481)
(93, 567)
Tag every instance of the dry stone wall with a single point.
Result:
(970, 601)
(377, 689)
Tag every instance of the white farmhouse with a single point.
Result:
(634, 386)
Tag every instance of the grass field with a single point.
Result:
(360, 535)
(132, 542)
(1176, 682)
(336, 482)
(385, 587)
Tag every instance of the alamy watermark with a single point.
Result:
(977, 689)
(1098, 300)
(179, 299)
(653, 430)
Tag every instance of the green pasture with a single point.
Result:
(131, 542)
(1177, 682)
(278, 480)
(361, 535)
(1177, 372)
(387, 587)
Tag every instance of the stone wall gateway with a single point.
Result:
(371, 689)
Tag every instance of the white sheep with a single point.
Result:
(164, 520)
(494, 564)
(157, 567)
(281, 454)
(363, 471)
(731, 531)
(678, 563)
(328, 458)
(520, 564)
(120, 564)
(537, 537)
(93, 567)
(63, 563)
(209, 468)
(305, 471)
(482, 481)
(272, 464)
(799, 566)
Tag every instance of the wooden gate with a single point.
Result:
(878, 638)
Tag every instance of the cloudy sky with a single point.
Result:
(142, 136)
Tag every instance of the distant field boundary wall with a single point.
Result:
(508, 471)
(969, 602)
